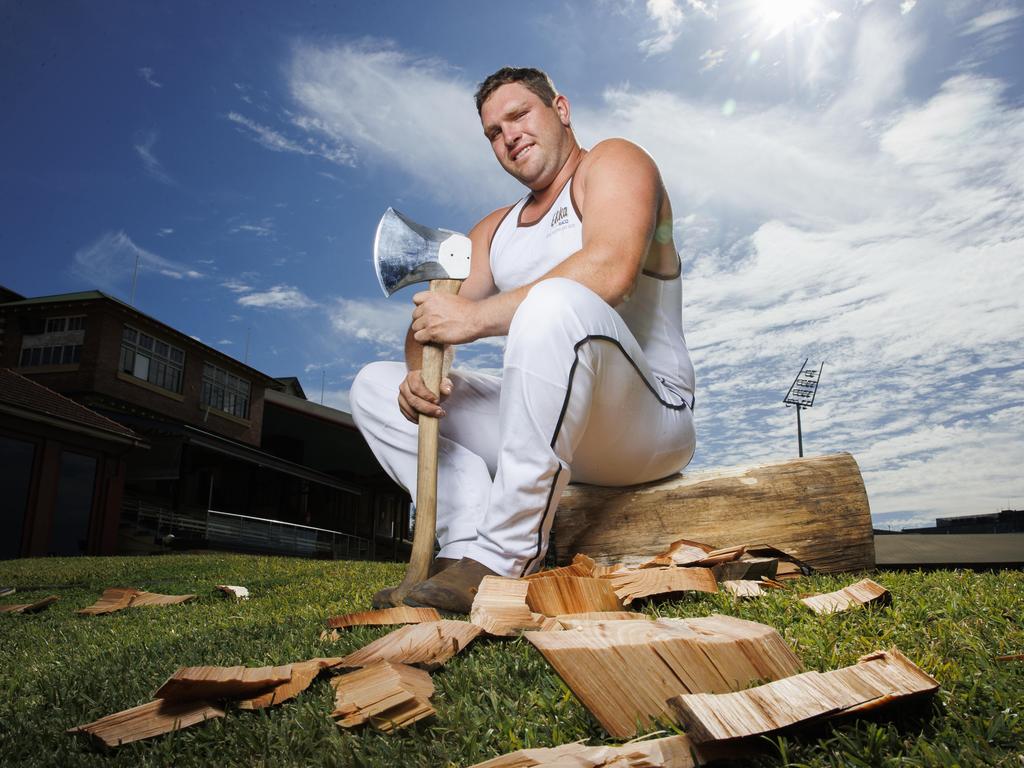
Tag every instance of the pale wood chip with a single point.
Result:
(38, 605)
(427, 645)
(573, 620)
(118, 598)
(230, 590)
(403, 614)
(625, 671)
(387, 695)
(211, 683)
(667, 752)
(634, 585)
(303, 674)
(876, 679)
(862, 593)
(1011, 657)
(331, 635)
(723, 555)
(743, 587)
(581, 566)
(148, 720)
(500, 608)
(679, 552)
(143, 599)
(571, 594)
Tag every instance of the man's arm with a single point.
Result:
(413, 396)
(621, 190)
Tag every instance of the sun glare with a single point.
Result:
(778, 15)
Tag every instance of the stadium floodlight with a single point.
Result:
(801, 394)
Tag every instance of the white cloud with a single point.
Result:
(990, 19)
(906, 6)
(225, 342)
(278, 297)
(109, 263)
(380, 322)
(274, 140)
(711, 59)
(146, 73)
(668, 18)
(164, 232)
(144, 149)
(236, 286)
(411, 114)
(262, 228)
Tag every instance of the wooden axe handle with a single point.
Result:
(426, 471)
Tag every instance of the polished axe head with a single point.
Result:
(405, 252)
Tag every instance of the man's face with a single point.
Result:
(529, 138)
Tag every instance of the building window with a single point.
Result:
(62, 324)
(152, 360)
(225, 391)
(52, 341)
(60, 354)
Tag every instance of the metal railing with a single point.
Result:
(245, 532)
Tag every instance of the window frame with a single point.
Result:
(160, 370)
(225, 392)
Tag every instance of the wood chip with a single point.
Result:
(152, 719)
(230, 590)
(668, 752)
(212, 683)
(500, 608)
(1011, 657)
(427, 645)
(571, 594)
(723, 555)
(573, 620)
(581, 566)
(863, 592)
(624, 671)
(634, 585)
(385, 694)
(743, 587)
(787, 571)
(30, 607)
(303, 674)
(746, 569)
(875, 679)
(680, 552)
(119, 598)
(403, 614)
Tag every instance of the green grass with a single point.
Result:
(58, 669)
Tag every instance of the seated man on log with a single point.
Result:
(582, 276)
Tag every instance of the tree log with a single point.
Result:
(815, 509)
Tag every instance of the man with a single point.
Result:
(583, 278)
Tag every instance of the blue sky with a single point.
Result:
(848, 181)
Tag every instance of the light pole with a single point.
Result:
(801, 394)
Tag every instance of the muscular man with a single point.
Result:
(582, 277)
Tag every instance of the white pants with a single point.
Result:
(576, 398)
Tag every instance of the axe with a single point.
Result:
(405, 253)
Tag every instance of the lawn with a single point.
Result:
(58, 669)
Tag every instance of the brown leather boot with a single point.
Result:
(452, 590)
(383, 598)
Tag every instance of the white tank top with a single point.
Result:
(653, 312)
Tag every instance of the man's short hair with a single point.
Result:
(535, 80)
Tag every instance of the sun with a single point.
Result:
(778, 15)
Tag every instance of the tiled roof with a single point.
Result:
(18, 391)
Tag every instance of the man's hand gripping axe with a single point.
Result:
(405, 253)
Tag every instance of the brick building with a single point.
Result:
(210, 472)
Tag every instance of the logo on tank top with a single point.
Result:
(560, 217)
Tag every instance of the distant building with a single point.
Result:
(1006, 521)
(221, 459)
(62, 472)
